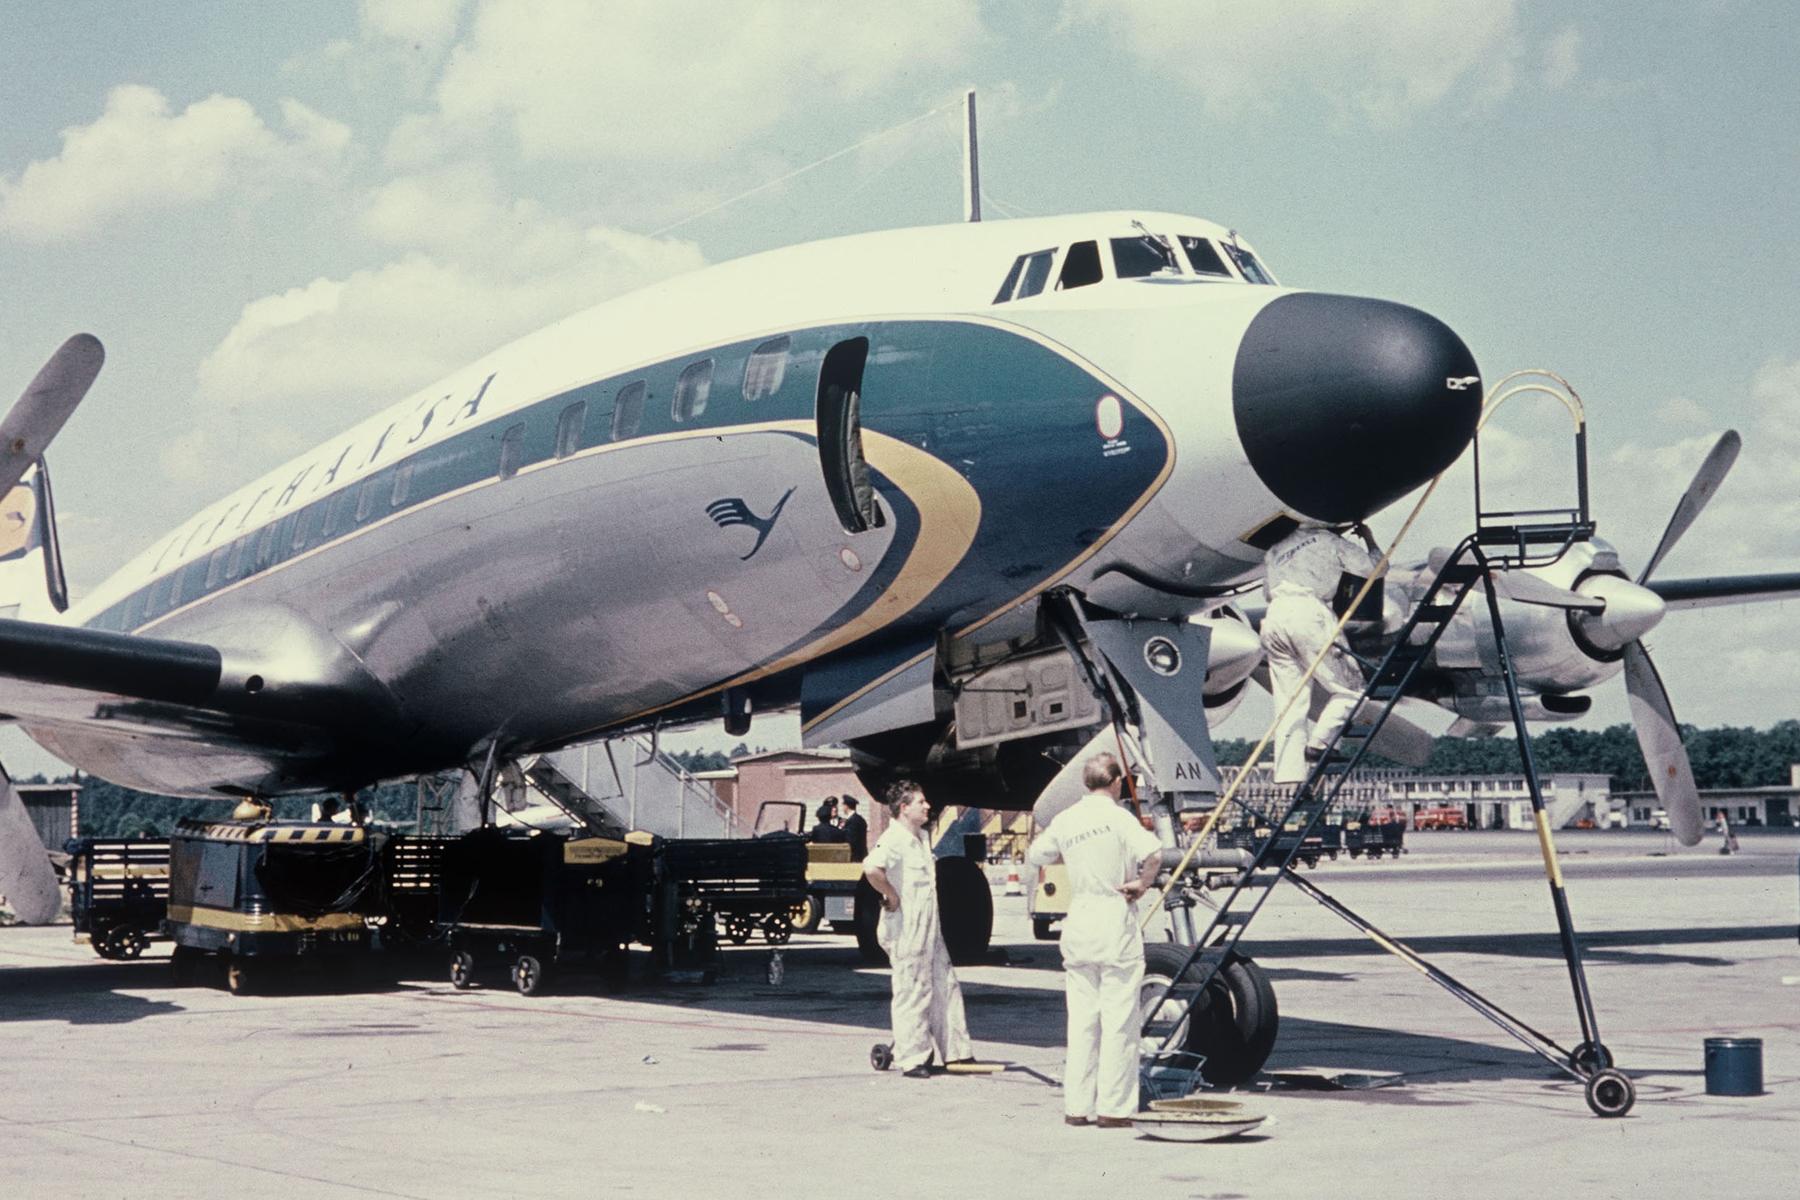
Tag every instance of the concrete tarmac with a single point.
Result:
(117, 1084)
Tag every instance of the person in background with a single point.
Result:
(856, 831)
(927, 1008)
(825, 824)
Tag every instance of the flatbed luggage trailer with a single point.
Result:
(749, 883)
(118, 892)
(536, 904)
(245, 894)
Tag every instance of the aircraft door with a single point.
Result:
(838, 412)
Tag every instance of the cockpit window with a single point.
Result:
(1246, 263)
(1030, 272)
(1141, 256)
(1081, 266)
(1203, 257)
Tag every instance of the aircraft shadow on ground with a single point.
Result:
(84, 993)
(1631, 946)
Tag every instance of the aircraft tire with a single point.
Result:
(965, 910)
(868, 919)
(1236, 1024)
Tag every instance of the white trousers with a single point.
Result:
(1293, 631)
(1101, 1078)
(928, 1009)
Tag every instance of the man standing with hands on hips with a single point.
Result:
(1112, 860)
(927, 1004)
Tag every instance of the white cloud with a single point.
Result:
(1562, 58)
(472, 273)
(1385, 59)
(137, 157)
(677, 79)
(427, 24)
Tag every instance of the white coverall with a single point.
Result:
(1103, 847)
(927, 1005)
(1302, 575)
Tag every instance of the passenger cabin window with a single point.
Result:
(402, 485)
(215, 567)
(365, 507)
(839, 416)
(692, 387)
(568, 428)
(1142, 256)
(628, 411)
(1030, 272)
(1203, 257)
(265, 547)
(337, 513)
(302, 522)
(766, 369)
(1247, 264)
(512, 450)
(1081, 266)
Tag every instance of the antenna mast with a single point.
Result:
(971, 163)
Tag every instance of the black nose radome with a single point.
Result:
(1344, 404)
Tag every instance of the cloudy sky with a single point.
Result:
(279, 218)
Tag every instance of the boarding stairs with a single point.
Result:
(1502, 541)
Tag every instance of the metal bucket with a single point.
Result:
(1734, 1066)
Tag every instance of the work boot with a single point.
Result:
(922, 1071)
(1076, 1121)
(1114, 1122)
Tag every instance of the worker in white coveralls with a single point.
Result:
(927, 1006)
(1111, 860)
(1303, 571)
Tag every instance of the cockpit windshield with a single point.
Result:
(1142, 256)
(1246, 262)
(1203, 257)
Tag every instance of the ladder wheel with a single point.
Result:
(1590, 1057)
(881, 1056)
(1610, 1093)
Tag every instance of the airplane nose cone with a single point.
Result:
(1345, 404)
(1631, 612)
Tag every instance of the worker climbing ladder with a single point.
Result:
(1502, 542)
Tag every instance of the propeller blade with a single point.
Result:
(38, 414)
(1527, 588)
(1660, 739)
(1712, 472)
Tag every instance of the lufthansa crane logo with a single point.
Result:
(733, 511)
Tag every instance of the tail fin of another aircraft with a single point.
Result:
(32, 586)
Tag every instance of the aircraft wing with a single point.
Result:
(1725, 589)
(69, 686)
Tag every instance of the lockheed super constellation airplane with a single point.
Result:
(857, 476)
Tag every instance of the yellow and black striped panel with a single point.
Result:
(237, 922)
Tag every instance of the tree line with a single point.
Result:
(1726, 757)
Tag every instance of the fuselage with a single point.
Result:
(615, 520)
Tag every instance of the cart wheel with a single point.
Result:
(129, 943)
(238, 976)
(528, 975)
(777, 929)
(1610, 1094)
(182, 965)
(1590, 1057)
(807, 914)
(738, 929)
(103, 944)
(462, 969)
(881, 1056)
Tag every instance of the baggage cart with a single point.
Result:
(118, 892)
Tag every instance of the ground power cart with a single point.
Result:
(535, 904)
(253, 897)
